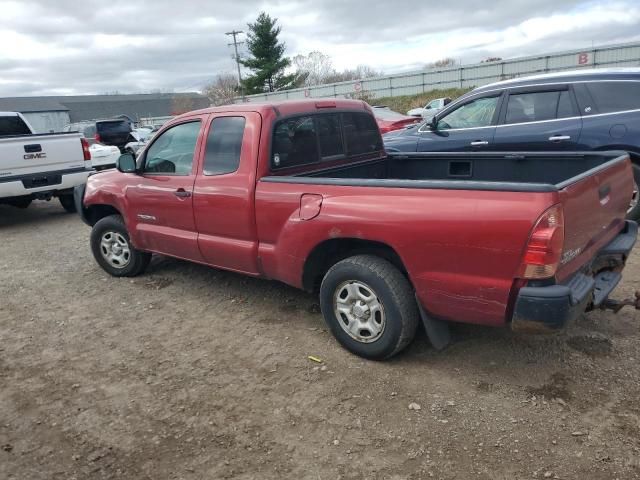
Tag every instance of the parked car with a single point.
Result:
(103, 156)
(39, 166)
(303, 192)
(139, 138)
(430, 109)
(568, 111)
(388, 120)
(113, 132)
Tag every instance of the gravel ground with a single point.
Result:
(192, 373)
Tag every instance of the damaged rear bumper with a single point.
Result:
(550, 308)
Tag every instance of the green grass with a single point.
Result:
(405, 103)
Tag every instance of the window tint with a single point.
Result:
(13, 125)
(329, 135)
(117, 126)
(361, 133)
(615, 96)
(532, 107)
(224, 145)
(308, 139)
(295, 142)
(172, 152)
(477, 113)
(539, 106)
(565, 106)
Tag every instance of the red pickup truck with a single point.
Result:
(303, 192)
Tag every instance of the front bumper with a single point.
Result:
(550, 308)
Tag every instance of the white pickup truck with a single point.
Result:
(40, 166)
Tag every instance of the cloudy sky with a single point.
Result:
(85, 46)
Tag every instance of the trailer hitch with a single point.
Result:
(617, 305)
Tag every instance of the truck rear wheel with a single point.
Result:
(67, 203)
(369, 306)
(113, 251)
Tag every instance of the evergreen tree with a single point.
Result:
(267, 61)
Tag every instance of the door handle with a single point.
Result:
(479, 143)
(182, 193)
(559, 138)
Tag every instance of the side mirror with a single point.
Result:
(126, 163)
(433, 123)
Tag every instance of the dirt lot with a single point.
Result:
(193, 373)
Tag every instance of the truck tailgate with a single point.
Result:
(31, 154)
(595, 205)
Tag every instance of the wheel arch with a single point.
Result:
(94, 213)
(329, 252)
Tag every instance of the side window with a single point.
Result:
(224, 145)
(615, 96)
(172, 152)
(295, 142)
(477, 113)
(329, 136)
(361, 134)
(532, 107)
(13, 125)
(565, 106)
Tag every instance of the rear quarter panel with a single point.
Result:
(461, 248)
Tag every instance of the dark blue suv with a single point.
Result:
(578, 110)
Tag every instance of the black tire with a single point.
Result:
(390, 288)
(137, 260)
(634, 213)
(68, 203)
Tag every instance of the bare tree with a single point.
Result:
(223, 89)
(358, 73)
(313, 69)
(443, 63)
(181, 104)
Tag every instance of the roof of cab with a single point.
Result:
(566, 76)
(289, 107)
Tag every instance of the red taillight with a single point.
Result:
(544, 249)
(97, 137)
(85, 149)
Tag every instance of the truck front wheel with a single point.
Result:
(113, 251)
(369, 306)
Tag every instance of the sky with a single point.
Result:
(69, 47)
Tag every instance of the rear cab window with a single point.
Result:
(308, 139)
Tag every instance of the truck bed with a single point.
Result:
(528, 171)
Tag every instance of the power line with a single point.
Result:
(235, 44)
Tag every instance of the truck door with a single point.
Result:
(468, 127)
(223, 200)
(542, 118)
(161, 199)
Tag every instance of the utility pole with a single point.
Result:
(234, 34)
